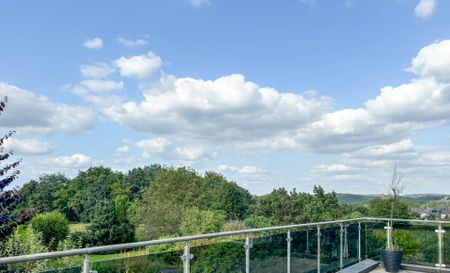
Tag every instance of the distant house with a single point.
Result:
(431, 213)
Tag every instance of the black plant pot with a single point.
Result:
(392, 259)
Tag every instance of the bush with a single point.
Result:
(53, 226)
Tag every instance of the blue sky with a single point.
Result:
(270, 93)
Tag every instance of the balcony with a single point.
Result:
(315, 247)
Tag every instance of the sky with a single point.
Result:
(271, 94)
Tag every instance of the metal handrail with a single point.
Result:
(118, 247)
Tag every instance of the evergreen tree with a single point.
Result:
(9, 199)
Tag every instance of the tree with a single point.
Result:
(138, 179)
(9, 199)
(53, 226)
(394, 187)
(197, 221)
(106, 228)
(39, 195)
(228, 196)
(163, 203)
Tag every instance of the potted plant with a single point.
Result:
(392, 255)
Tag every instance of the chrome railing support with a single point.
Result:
(388, 229)
(341, 247)
(86, 265)
(248, 245)
(440, 233)
(345, 241)
(318, 249)
(288, 240)
(307, 241)
(359, 242)
(186, 257)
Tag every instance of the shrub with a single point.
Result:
(53, 226)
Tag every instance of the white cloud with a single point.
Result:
(123, 149)
(95, 43)
(27, 112)
(142, 66)
(131, 43)
(28, 146)
(228, 109)
(189, 153)
(245, 170)
(101, 85)
(433, 61)
(199, 3)
(154, 146)
(425, 8)
(73, 161)
(97, 71)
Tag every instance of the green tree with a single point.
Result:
(228, 196)
(40, 195)
(106, 227)
(163, 203)
(381, 207)
(197, 221)
(138, 179)
(53, 226)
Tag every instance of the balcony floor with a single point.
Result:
(380, 269)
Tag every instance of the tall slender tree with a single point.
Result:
(9, 198)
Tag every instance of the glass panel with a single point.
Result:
(269, 254)
(329, 249)
(304, 251)
(419, 243)
(351, 245)
(220, 255)
(165, 258)
(374, 239)
(446, 246)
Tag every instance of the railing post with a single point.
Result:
(318, 249)
(288, 240)
(341, 245)
(307, 241)
(86, 265)
(186, 257)
(359, 241)
(440, 232)
(388, 229)
(346, 241)
(248, 245)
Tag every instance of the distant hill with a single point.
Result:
(420, 199)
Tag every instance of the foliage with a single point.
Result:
(110, 226)
(197, 221)
(78, 200)
(257, 221)
(53, 226)
(163, 203)
(9, 199)
(381, 207)
(39, 195)
(140, 178)
(228, 196)
(25, 240)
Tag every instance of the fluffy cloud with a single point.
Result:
(163, 148)
(101, 85)
(28, 146)
(123, 149)
(228, 109)
(425, 8)
(97, 71)
(131, 43)
(95, 43)
(199, 3)
(246, 170)
(433, 61)
(27, 112)
(154, 146)
(73, 161)
(142, 66)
